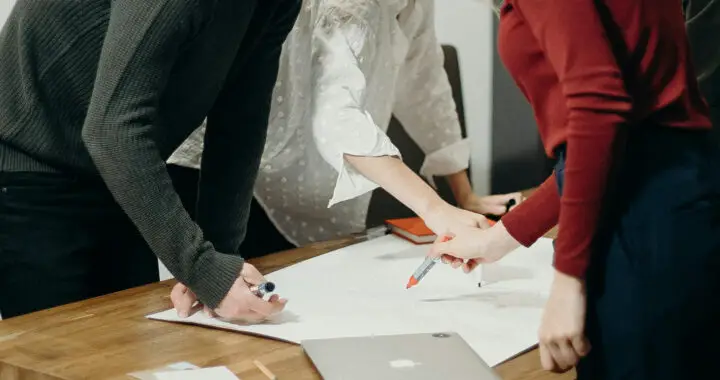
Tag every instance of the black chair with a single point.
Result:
(382, 205)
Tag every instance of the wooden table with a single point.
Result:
(108, 337)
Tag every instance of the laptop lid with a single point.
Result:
(398, 357)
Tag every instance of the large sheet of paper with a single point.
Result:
(360, 291)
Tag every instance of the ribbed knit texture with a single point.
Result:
(591, 70)
(111, 88)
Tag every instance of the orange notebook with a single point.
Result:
(413, 229)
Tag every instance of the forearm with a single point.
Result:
(137, 177)
(400, 181)
(534, 217)
(459, 185)
(119, 133)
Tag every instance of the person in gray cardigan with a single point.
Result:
(94, 97)
(702, 21)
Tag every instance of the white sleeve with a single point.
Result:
(343, 48)
(424, 104)
(189, 153)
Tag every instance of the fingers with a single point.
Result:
(267, 308)
(495, 208)
(504, 198)
(481, 221)
(253, 310)
(208, 312)
(546, 358)
(251, 275)
(581, 345)
(471, 265)
(562, 355)
(497, 204)
(518, 197)
(438, 250)
(183, 300)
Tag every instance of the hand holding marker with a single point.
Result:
(262, 289)
(429, 263)
(423, 269)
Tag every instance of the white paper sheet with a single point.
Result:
(360, 291)
(214, 373)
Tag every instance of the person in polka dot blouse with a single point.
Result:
(346, 68)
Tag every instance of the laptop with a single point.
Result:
(398, 357)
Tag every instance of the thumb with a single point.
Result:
(441, 247)
(251, 275)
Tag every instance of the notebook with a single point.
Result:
(413, 230)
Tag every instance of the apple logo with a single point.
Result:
(404, 364)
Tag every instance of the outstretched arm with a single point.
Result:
(425, 106)
(142, 43)
(345, 50)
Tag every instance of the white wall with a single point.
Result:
(468, 25)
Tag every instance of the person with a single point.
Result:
(346, 68)
(702, 21)
(94, 97)
(635, 192)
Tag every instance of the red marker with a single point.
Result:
(423, 269)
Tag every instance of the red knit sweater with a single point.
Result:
(588, 68)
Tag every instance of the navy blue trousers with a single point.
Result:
(653, 286)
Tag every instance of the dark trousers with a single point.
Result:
(262, 237)
(63, 240)
(653, 286)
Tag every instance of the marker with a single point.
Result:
(262, 289)
(509, 205)
(423, 269)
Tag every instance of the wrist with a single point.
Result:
(502, 238)
(568, 282)
(431, 206)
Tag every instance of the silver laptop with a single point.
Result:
(398, 357)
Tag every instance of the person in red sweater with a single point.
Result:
(635, 191)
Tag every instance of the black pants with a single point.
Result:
(653, 286)
(262, 237)
(63, 240)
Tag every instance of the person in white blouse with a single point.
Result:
(347, 66)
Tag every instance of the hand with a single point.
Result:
(442, 218)
(562, 331)
(469, 247)
(492, 204)
(243, 305)
(185, 301)
(239, 304)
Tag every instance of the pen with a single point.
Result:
(265, 370)
(423, 269)
(262, 289)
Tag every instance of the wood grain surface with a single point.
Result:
(109, 337)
